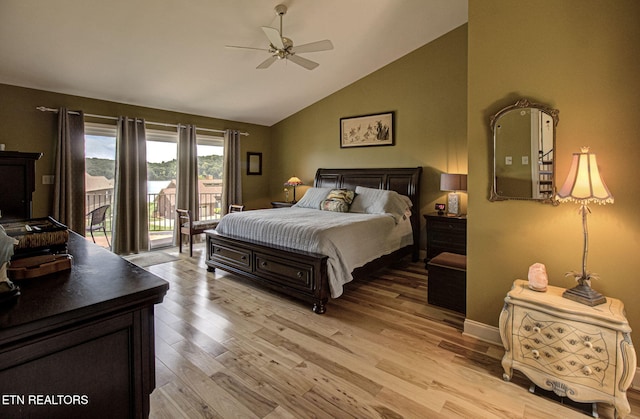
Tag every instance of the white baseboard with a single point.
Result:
(491, 334)
(483, 332)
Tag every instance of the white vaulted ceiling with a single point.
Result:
(170, 54)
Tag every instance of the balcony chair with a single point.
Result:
(97, 222)
(192, 228)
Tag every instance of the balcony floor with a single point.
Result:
(157, 239)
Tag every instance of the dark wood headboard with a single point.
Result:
(404, 180)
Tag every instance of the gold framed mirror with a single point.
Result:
(524, 141)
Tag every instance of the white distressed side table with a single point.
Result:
(580, 352)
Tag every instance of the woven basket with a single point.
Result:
(37, 233)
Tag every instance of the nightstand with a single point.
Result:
(445, 233)
(277, 204)
(577, 351)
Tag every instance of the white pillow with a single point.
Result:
(380, 201)
(312, 198)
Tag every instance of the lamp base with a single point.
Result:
(584, 294)
(453, 201)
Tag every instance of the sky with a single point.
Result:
(157, 152)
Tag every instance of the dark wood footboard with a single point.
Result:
(296, 273)
(300, 274)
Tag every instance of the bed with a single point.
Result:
(309, 275)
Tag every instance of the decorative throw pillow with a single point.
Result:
(338, 200)
(345, 195)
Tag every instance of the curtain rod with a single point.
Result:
(162, 124)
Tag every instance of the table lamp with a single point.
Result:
(293, 181)
(584, 185)
(453, 182)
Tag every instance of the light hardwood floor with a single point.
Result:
(226, 348)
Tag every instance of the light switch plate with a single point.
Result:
(48, 179)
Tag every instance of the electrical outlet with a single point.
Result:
(48, 179)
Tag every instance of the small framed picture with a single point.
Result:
(367, 130)
(254, 163)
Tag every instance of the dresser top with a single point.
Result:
(19, 155)
(446, 216)
(610, 314)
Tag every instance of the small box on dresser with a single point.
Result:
(577, 351)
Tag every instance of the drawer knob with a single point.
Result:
(535, 353)
(586, 370)
(299, 274)
(263, 263)
(243, 257)
(536, 329)
(588, 344)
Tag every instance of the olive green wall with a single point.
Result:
(426, 89)
(583, 58)
(23, 128)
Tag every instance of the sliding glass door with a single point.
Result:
(100, 166)
(210, 158)
(162, 152)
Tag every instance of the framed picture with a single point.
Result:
(367, 130)
(254, 163)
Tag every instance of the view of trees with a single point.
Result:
(162, 171)
(207, 166)
(100, 167)
(210, 166)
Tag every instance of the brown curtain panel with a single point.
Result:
(130, 210)
(232, 174)
(187, 182)
(69, 191)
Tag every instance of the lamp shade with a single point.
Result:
(453, 182)
(584, 183)
(293, 181)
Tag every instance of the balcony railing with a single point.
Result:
(162, 209)
(161, 212)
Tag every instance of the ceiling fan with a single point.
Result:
(282, 48)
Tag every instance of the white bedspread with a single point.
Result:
(350, 240)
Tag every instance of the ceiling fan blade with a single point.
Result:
(325, 45)
(274, 37)
(308, 64)
(239, 47)
(266, 63)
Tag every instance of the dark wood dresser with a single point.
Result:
(445, 234)
(17, 184)
(80, 342)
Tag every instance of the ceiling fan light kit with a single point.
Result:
(282, 48)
